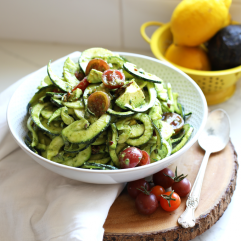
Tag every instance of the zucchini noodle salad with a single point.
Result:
(102, 107)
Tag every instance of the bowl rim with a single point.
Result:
(150, 166)
(213, 73)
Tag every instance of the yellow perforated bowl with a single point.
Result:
(217, 86)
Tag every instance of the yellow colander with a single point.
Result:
(217, 86)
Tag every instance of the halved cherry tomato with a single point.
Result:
(98, 103)
(175, 120)
(98, 64)
(158, 191)
(145, 159)
(134, 187)
(170, 201)
(79, 75)
(82, 84)
(113, 78)
(130, 157)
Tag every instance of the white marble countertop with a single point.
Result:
(18, 59)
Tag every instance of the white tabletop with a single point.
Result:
(18, 59)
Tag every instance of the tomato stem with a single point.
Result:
(168, 198)
(176, 178)
(144, 190)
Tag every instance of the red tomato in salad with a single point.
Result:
(113, 78)
(134, 187)
(79, 75)
(145, 159)
(130, 157)
(82, 84)
(170, 201)
(57, 91)
(98, 103)
(98, 64)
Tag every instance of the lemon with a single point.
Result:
(193, 22)
(227, 3)
(188, 57)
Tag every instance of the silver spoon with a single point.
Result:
(214, 138)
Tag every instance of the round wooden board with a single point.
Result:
(125, 223)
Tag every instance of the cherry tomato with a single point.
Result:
(146, 203)
(82, 84)
(170, 201)
(182, 188)
(79, 75)
(145, 159)
(133, 187)
(98, 103)
(158, 191)
(130, 157)
(98, 64)
(175, 120)
(113, 78)
(161, 179)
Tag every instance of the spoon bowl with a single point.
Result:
(215, 135)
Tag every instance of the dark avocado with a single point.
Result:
(224, 48)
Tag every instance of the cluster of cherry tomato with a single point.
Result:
(148, 196)
(99, 101)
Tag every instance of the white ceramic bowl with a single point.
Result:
(190, 95)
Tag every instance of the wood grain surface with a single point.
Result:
(125, 223)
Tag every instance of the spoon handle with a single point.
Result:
(187, 219)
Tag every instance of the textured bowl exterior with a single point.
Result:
(190, 95)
